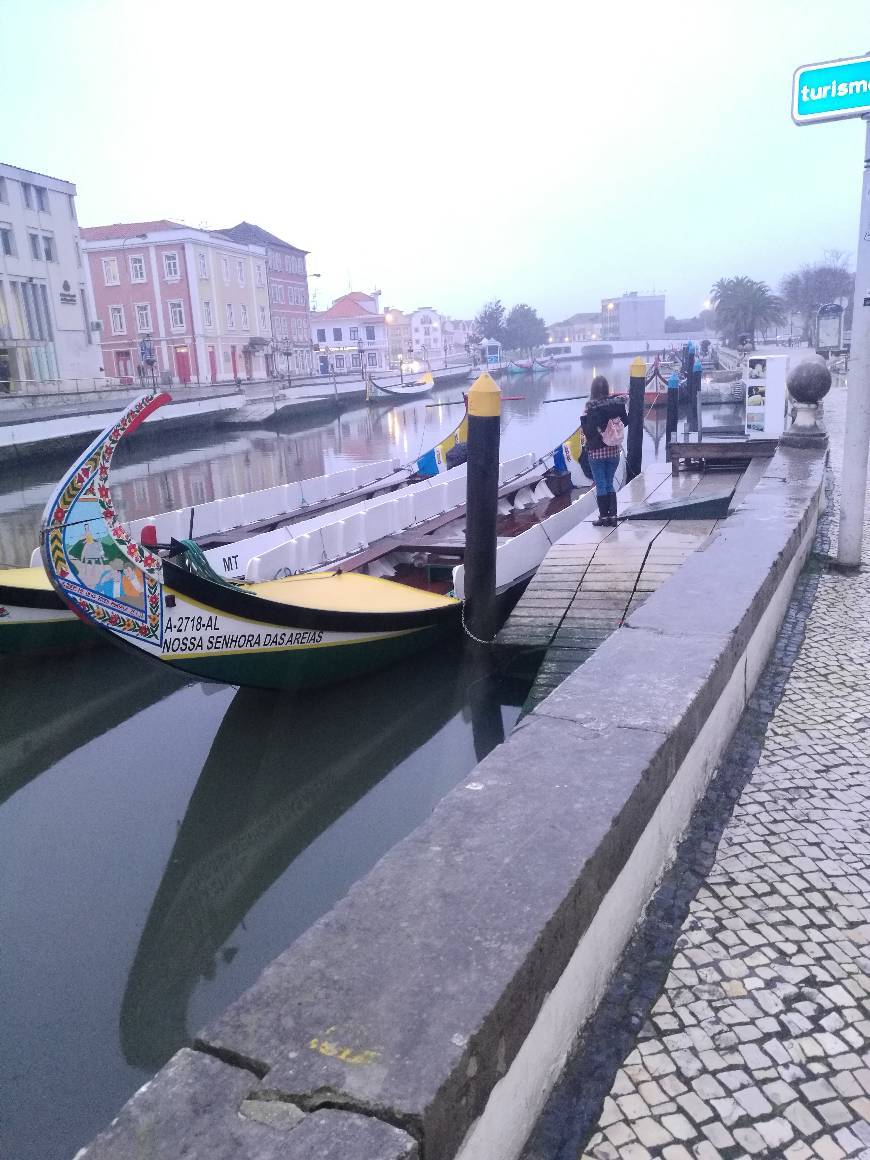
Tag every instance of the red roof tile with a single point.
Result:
(250, 234)
(348, 306)
(126, 230)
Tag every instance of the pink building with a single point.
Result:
(288, 297)
(194, 302)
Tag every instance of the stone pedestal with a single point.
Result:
(808, 383)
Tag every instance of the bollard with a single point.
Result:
(808, 383)
(634, 447)
(481, 512)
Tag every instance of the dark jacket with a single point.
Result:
(599, 412)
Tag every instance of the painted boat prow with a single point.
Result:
(434, 461)
(108, 558)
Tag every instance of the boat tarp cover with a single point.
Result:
(36, 578)
(347, 592)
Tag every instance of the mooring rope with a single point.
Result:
(467, 630)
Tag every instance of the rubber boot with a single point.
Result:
(603, 520)
(611, 509)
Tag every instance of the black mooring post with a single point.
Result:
(688, 372)
(636, 389)
(484, 430)
(673, 407)
(695, 397)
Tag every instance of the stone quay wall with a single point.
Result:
(428, 1014)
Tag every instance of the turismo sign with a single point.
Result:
(831, 90)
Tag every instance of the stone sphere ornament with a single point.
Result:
(809, 381)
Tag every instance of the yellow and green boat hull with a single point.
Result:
(34, 619)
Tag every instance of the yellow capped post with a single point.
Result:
(634, 442)
(481, 510)
(484, 396)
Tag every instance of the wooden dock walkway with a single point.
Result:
(593, 578)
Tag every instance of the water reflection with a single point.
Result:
(280, 772)
(158, 847)
(91, 692)
(185, 469)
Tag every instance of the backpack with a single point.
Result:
(614, 433)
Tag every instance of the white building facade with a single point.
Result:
(351, 336)
(427, 338)
(398, 336)
(633, 316)
(48, 321)
(458, 336)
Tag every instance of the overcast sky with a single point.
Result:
(552, 153)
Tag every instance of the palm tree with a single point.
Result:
(744, 306)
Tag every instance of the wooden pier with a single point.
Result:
(593, 578)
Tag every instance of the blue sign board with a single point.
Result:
(831, 90)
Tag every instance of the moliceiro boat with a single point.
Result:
(530, 365)
(656, 391)
(415, 389)
(301, 630)
(33, 618)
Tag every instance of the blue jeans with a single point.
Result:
(603, 471)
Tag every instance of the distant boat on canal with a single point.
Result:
(415, 388)
(529, 366)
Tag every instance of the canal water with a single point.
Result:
(162, 840)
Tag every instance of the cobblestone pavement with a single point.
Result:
(738, 1023)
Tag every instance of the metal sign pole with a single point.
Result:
(857, 440)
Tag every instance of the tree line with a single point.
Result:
(742, 305)
(738, 306)
(520, 328)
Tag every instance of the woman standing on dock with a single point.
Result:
(602, 446)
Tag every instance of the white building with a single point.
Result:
(351, 335)
(633, 316)
(48, 323)
(398, 336)
(427, 339)
(458, 334)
